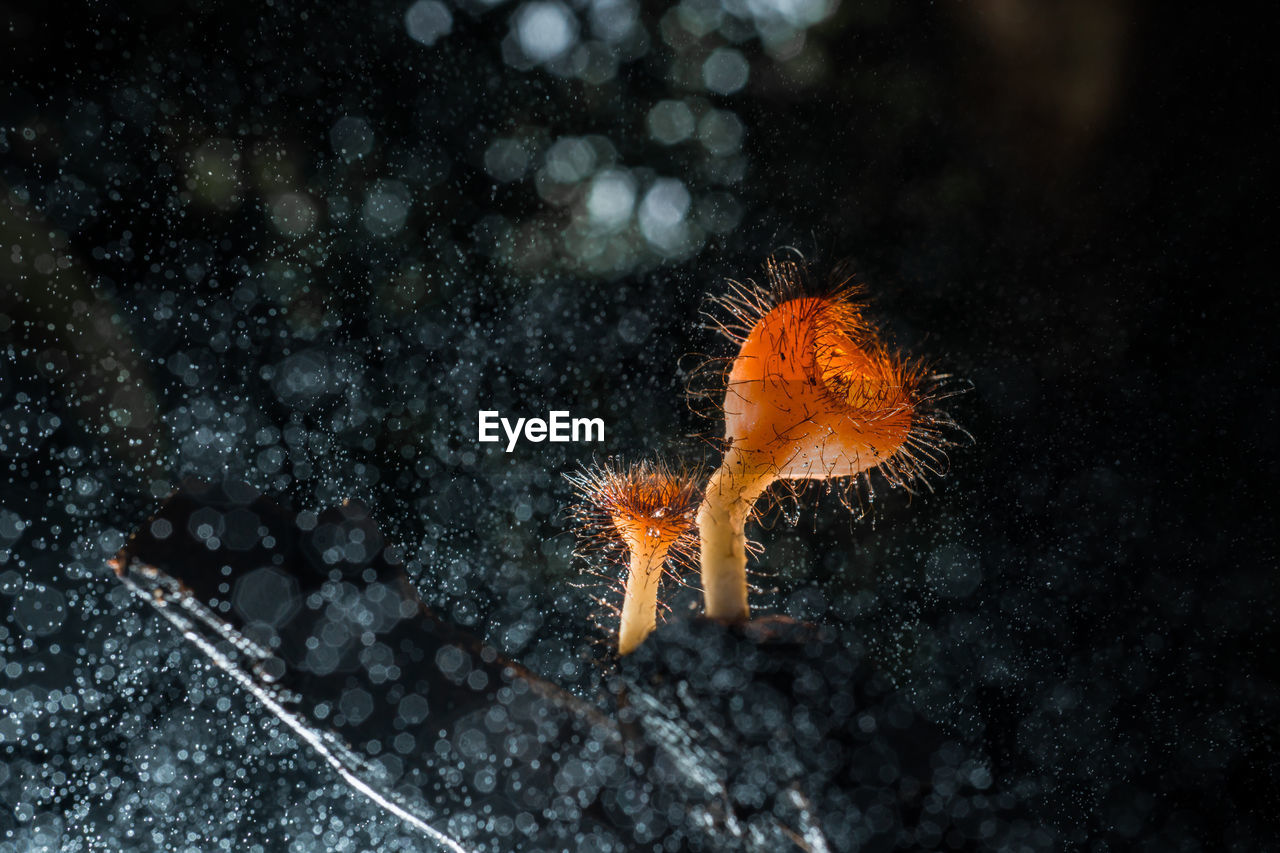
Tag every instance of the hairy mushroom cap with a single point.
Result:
(646, 511)
(813, 393)
(635, 506)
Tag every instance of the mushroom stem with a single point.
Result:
(722, 520)
(640, 601)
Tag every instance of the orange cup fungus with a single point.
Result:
(812, 394)
(644, 512)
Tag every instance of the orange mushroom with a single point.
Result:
(811, 395)
(646, 511)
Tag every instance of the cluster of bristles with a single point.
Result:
(812, 394)
(646, 500)
(642, 515)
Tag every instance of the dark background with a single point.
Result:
(205, 271)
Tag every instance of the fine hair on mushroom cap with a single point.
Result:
(640, 516)
(831, 361)
(812, 394)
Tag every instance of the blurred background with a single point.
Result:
(303, 245)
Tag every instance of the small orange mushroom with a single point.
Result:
(646, 511)
(811, 395)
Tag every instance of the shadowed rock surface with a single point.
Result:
(767, 736)
(789, 724)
